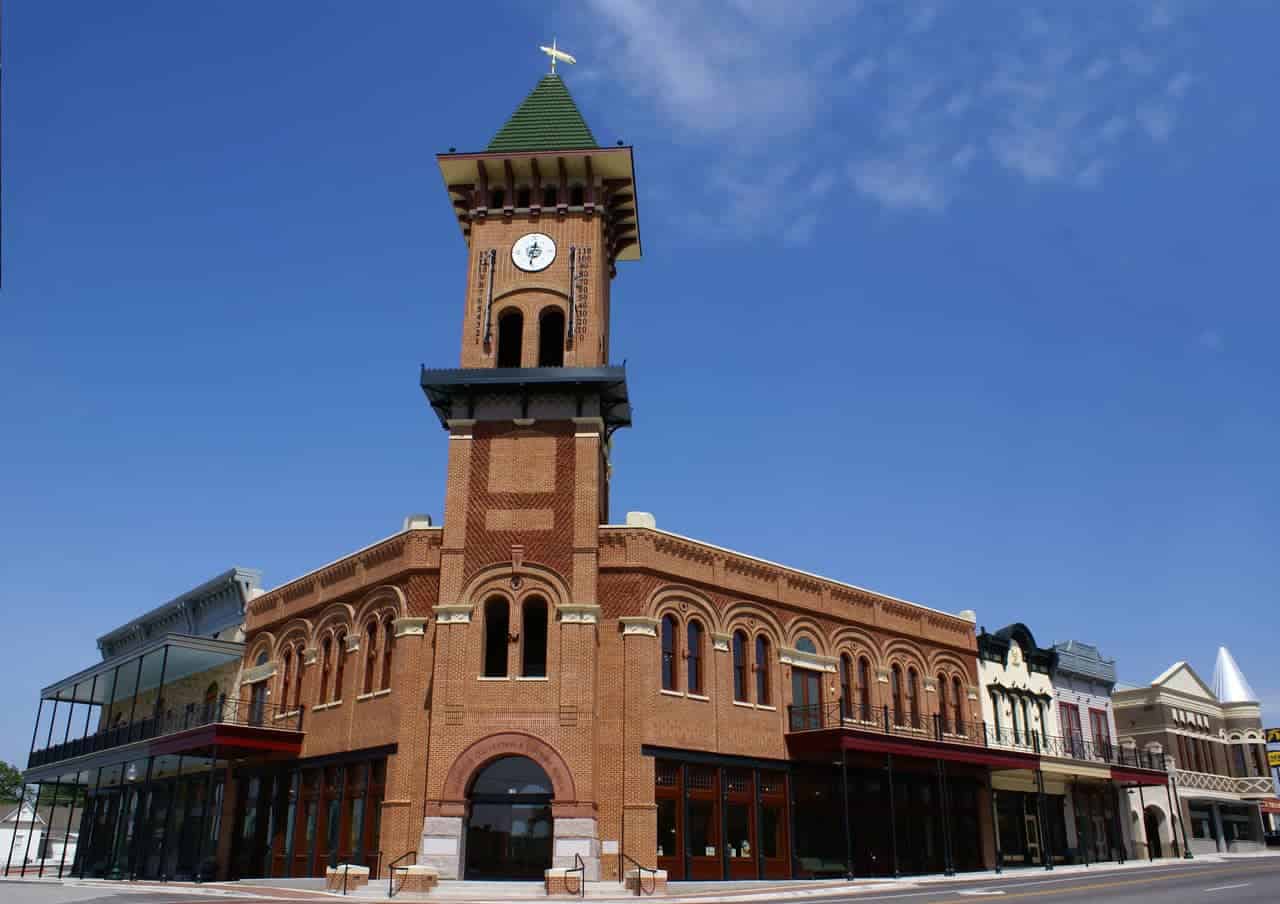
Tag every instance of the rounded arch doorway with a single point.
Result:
(509, 828)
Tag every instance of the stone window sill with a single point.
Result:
(493, 678)
(323, 706)
(372, 694)
(671, 693)
(767, 707)
(280, 717)
(699, 697)
(743, 703)
(533, 678)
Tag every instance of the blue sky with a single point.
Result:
(972, 304)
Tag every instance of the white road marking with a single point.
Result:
(1225, 887)
(980, 891)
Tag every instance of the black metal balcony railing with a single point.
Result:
(222, 711)
(937, 727)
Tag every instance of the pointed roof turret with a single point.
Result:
(1229, 683)
(547, 120)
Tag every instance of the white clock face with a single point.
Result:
(533, 252)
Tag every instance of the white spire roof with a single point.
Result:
(1229, 683)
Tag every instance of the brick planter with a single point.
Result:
(356, 876)
(647, 880)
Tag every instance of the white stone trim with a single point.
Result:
(720, 642)
(258, 673)
(455, 614)
(701, 697)
(409, 627)
(639, 625)
(671, 693)
(353, 642)
(309, 656)
(578, 613)
(319, 707)
(800, 659)
(372, 694)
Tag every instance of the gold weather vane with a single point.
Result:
(555, 54)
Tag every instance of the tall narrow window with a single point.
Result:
(533, 658)
(523, 196)
(496, 625)
(577, 196)
(895, 691)
(388, 638)
(370, 654)
(763, 665)
(740, 666)
(300, 667)
(510, 338)
(551, 338)
(670, 666)
(913, 697)
(995, 714)
(864, 689)
(549, 195)
(943, 715)
(694, 632)
(286, 673)
(846, 686)
(340, 659)
(326, 665)
(496, 199)
(957, 718)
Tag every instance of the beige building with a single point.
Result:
(1214, 740)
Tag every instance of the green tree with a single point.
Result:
(10, 783)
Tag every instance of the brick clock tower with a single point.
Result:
(547, 214)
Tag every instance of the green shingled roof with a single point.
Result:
(547, 120)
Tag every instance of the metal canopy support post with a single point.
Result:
(1186, 847)
(1045, 858)
(1115, 816)
(948, 868)
(22, 796)
(35, 805)
(141, 819)
(995, 823)
(1173, 817)
(844, 810)
(83, 846)
(893, 816)
(164, 666)
(168, 818)
(53, 807)
(88, 710)
(204, 814)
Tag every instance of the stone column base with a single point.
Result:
(561, 880)
(649, 883)
(354, 876)
(441, 847)
(576, 835)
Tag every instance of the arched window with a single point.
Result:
(864, 689)
(805, 645)
(1026, 723)
(496, 630)
(913, 697)
(763, 665)
(957, 704)
(326, 665)
(388, 643)
(262, 658)
(846, 686)
(370, 654)
(339, 669)
(895, 691)
(533, 660)
(995, 711)
(694, 631)
(551, 338)
(510, 338)
(670, 665)
(740, 666)
(943, 715)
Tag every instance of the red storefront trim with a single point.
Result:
(1139, 776)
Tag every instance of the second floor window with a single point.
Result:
(740, 666)
(533, 631)
(762, 670)
(496, 629)
(670, 642)
(340, 652)
(388, 645)
(695, 656)
(370, 654)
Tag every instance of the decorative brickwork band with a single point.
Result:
(509, 743)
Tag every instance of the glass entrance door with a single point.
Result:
(509, 824)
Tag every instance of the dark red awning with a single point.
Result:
(1139, 776)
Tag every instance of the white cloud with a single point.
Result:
(1211, 339)
(921, 88)
(903, 182)
(1157, 120)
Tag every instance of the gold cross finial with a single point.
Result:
(556, 54)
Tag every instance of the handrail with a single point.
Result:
(579, 867)
(391, 871)
(914, 723)
(346, 868)
(640, 868)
